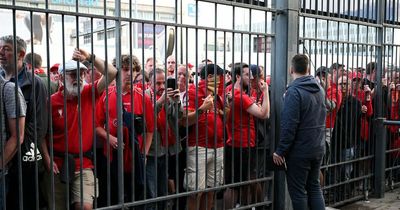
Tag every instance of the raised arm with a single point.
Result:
(263, 111)
(100, 65)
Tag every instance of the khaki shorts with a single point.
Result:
(60, 189)
(200, 170)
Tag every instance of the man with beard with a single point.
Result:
(140, 106)
(163, 146)
(36, 122)
(240, 150)
(77, 139)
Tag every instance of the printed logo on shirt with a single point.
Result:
(30, 155)
(115, 122)
(60, 112)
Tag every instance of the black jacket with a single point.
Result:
(347, 128)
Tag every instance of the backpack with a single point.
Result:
(30, 154)
(138, 156)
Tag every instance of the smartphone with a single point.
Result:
(171, 83)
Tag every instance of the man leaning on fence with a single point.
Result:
(70, 90)
(12, 117)
(36, 122)
(302, 137)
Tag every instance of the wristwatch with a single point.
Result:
(91, 58)
(199, 111)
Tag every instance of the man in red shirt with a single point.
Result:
(240, 149)
(79, 140)
(141, 105)
(205, 152)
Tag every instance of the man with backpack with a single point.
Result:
(36, 122)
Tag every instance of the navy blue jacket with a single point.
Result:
(303, 119)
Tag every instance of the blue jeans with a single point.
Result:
(348, 154)
(3, 188)
(304, 184)
(156, 180)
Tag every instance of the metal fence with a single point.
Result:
(92, 129)
(356, 41)
(196, 159)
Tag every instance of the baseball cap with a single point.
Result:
(211, 69)
(54, 67)
(336, 66)
(255, 70)
(71, 65)
(322, 70)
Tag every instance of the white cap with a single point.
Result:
(71, 65)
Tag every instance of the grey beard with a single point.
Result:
(72, 90)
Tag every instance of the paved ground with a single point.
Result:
(391, 201)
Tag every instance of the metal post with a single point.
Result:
(285, 46)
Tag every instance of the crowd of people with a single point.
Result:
(178, 128)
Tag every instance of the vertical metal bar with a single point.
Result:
(216, 95)
(20, 181)
(232, 91)
(286, 33)
(107, 127)
(186, 110)
(380, 145)
(207, 121)
(34, 113)
(65, 109)
(224, 118)
(96, 183)
(196, 98)
(50, 119)
(119, 100)
(133, 107)
(79, 109)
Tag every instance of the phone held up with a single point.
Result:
(171, 83)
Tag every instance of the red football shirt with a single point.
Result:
(58, 116)
(243, 123)
(334, 94)
(210, 125)
(138, 99)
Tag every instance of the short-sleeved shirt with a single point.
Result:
(335, 95)
(138, 109)
(240, 123)
(9, 106)
(58, 117)
(210, 125)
